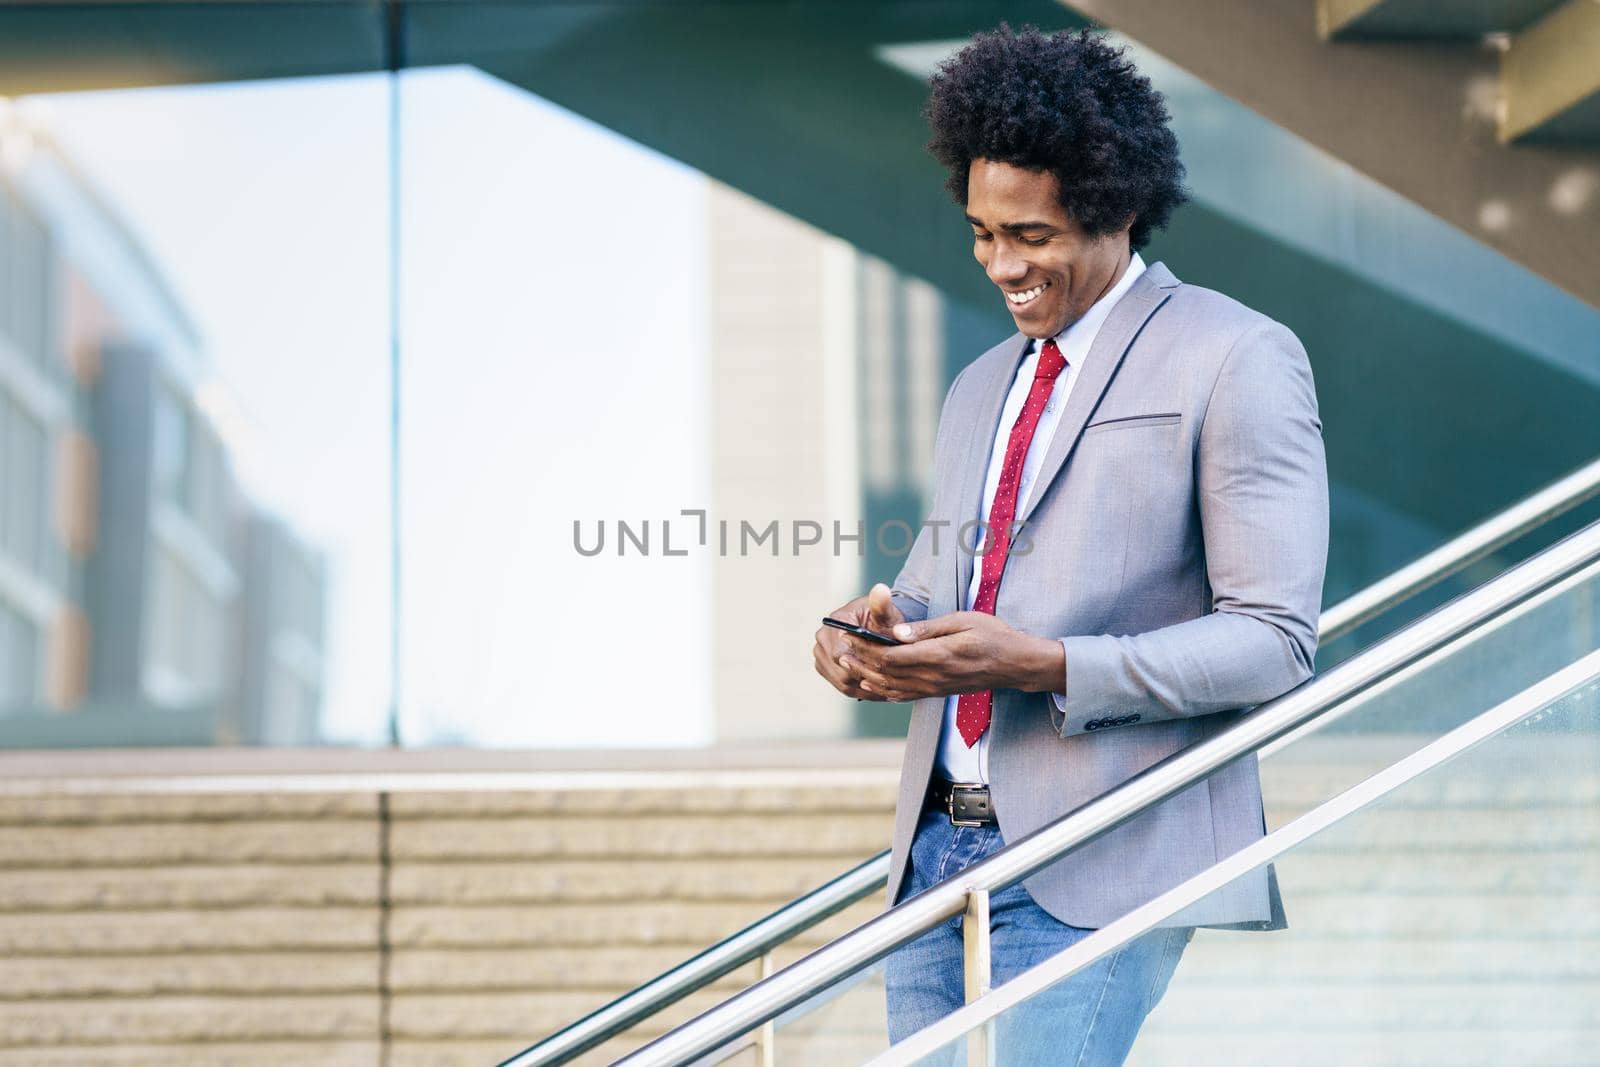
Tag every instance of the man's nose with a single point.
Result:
(1006, 267)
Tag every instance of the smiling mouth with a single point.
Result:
(1026, 296)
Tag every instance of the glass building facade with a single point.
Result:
(535, 375)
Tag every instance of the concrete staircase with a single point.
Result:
(438, 909)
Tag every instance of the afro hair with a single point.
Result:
(1069, 103)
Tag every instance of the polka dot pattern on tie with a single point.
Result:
(973, 710)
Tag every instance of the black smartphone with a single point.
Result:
(852, 628)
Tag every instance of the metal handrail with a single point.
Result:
(877, 937)
(1581, 674)
(862, 881)
(1498, 530)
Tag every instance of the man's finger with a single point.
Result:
(857, 671)
(912, 657)
(827, 665)
(857, 674)
(873, 684)
(887, 685)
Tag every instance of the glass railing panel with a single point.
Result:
(1453, 920)
(842, 1024)
(1495, 662)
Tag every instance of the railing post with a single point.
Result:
(767, 1035)
(976, 973)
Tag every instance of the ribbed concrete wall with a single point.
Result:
(175, 929)
(405, 925)
(515, 913)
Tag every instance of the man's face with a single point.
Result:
(1049, 270)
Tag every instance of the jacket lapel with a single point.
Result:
(1111, 345)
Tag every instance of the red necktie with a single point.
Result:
(973, 709)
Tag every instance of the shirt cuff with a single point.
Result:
(1060, 698)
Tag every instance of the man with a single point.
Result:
(1147, 459)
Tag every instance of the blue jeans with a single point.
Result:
(1087, 1020)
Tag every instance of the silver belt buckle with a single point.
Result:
(950, 804)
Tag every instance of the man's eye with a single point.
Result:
(1035, 241)
(983, 237)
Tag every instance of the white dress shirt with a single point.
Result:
(955, 761)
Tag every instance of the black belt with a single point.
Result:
(965, 804)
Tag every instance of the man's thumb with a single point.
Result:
(881, 607)
(917, 631)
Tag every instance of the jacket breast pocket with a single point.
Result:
(1132, 422)
(1139, 461)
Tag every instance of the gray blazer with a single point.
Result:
(1176, 538)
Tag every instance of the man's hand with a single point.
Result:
(963, 652)
(834, 649)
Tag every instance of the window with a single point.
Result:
(205, 482)
(19, 661)
(26, 277)
(8, 212)
(171, 443)
(8, 503)
(24, 458)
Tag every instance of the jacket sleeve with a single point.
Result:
(912, 587)
(1262, 485)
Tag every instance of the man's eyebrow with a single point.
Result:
(1013, 227)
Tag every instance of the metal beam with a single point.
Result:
(1550, 68)
(1334, 15)
(1434, 20)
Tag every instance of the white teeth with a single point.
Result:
(1024, 297)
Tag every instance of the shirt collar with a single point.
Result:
(1088, 324)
